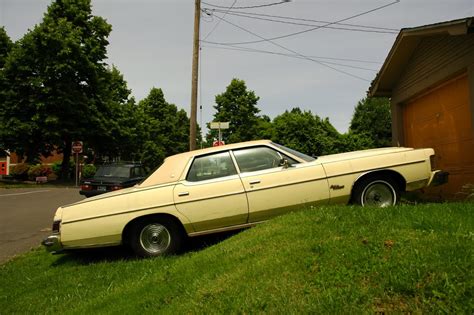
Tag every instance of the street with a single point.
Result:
(26, 216)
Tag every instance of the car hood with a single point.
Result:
(360, 154)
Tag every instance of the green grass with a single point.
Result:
(407, 259)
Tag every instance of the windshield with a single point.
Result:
(113, 171)
(303, 156)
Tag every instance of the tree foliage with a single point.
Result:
(238, 106)
(372, 119)
(305, 132)
(164, 128)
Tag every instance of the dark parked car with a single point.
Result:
(112, 177)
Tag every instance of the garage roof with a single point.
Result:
(404, 46)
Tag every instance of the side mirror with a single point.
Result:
(284, 163)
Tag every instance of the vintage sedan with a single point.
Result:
(233, 187)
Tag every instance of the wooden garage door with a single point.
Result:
(442, 119)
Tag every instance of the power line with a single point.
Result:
(305, 20)
(311, 29)
(362, 29)
(292, 51)
(248, 7)
(316, 57)
(289, 55)
(218, 22)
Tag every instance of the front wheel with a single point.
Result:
(376, 192)
(155, 237)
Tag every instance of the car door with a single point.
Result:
(212, 195)
(273, 189)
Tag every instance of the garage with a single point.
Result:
(429, 77)
(441, 119)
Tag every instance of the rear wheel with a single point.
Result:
(376, 192)
(155, 237)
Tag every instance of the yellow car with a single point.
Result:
(235, 186)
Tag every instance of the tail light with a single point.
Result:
(86, 187)
(433, 162)
(56, 227)
(116, 187)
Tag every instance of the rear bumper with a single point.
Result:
(52, 244)
(91, 193)
(438, 178)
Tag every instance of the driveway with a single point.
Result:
(26, 216)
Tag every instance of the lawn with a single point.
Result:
(405, 259)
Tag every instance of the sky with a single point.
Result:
(151, 44)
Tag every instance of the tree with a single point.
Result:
(54, 81)
(238, 106)
(305, 132)
(372, 119)
(165, 129)
(5, 46)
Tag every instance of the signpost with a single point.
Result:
(219, 125)
(76, 149)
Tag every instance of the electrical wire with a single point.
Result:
(218, 22)
(304, 20)
(364, 29)
(311, 29)
(289, 55)
(248, 7)
(292, 51)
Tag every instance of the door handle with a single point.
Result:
(257, 181)
(184, 193)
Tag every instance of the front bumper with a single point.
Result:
(438, 178)
(52, 244)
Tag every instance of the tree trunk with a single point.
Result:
(66, 157)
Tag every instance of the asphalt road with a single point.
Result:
(26, 216)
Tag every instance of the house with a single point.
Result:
(429, 77)
(4, 163)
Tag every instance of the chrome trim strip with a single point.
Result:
(366, 171)
(119, 213)
(213, 197)
(225, 229)
(127, 193)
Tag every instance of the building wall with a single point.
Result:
(14, 159)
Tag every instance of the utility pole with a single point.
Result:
(195, 74)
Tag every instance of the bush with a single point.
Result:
(20, 171)
(88, 170)
(39, 170)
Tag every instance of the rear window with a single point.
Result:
(113, 171)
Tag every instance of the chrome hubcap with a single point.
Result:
(379, 194)
(155, 238)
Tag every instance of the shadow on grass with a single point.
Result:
(123, 253)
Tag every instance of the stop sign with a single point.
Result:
(77, 147)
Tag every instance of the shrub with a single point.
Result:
(20, 171)
(88, 170)
(39, 170)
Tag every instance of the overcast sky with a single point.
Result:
(151, 44)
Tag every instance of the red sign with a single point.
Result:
(77, 147)
(217, 143)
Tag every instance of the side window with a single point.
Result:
(259, 158)
(211, 166)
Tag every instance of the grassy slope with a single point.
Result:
(325, 260)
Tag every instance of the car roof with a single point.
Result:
(189, 154)
(173, 166)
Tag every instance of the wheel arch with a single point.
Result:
(127, 229)
(381, 174)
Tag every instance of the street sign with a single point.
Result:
(218, 143)
(77, 147)
(219, 125)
